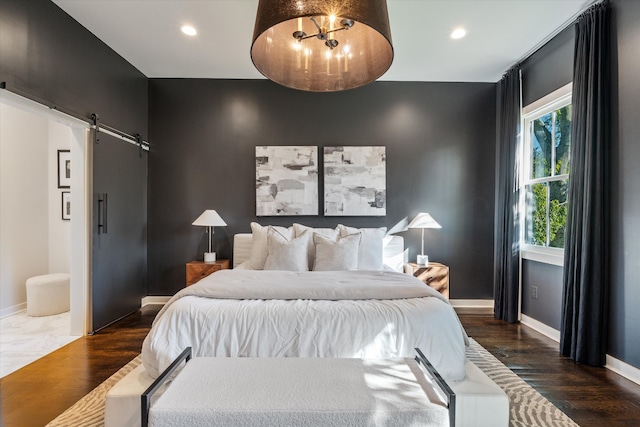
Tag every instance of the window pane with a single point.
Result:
(557, 212)
(541, 139)
(536, 224)
(563, 140)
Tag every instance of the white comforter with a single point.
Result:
(247, 313)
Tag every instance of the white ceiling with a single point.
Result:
(499, 33)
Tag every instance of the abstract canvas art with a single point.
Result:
(286, 180)
(355, 182)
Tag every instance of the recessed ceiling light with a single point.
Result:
(188, 30)
(458, 33)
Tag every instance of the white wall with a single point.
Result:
(33, 238)
(59, 230)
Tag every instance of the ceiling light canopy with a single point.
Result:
(322, 46)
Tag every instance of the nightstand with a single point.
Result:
(196, 270)
(435, 275)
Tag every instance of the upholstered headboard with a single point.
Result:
(394, 255)
(241, 248)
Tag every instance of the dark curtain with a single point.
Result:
(583, 334)
(506, 268)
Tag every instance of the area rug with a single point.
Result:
(527, 407)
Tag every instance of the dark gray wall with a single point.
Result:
(549, 68)
(547, 306)
(47, 56)
(440, 140)
(624, 339)
(541, 75)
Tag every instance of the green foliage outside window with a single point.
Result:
(547, 201)
(538, 217)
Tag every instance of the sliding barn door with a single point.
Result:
(119, 255)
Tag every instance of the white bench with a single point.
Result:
(273, 392)
(299, 391)
(122, 404)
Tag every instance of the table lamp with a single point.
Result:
(210, 219)
(423, 220)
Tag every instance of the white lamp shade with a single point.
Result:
(423, 220)
(209, 218)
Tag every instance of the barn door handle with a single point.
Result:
(102, 213)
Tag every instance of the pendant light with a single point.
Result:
(322, 46)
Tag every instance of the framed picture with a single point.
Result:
(355, 182)
(66, 205)
(64, 169)
(286, 180)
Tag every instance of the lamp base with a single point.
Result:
(423, 260)
(209, 257)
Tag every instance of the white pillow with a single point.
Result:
(285, 254)
(331, 233)
(259, 246)
(336, 255)
(370, 252)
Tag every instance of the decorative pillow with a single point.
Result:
(259, 246)
(331, 233)
(336, 255)
(284, 254)
(370, 252)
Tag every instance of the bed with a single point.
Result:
(362, 312)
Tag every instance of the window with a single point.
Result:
(547, 139)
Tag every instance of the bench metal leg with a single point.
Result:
(145, 398)
(448, 392)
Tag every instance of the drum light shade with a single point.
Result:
(322, 46)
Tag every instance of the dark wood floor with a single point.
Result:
(37, 393)
(590, 396)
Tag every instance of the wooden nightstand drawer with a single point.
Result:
(435, 275)
(197, 270)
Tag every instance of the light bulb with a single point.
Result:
(458, 33)
(188, 30)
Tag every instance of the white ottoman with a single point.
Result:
(48, 294)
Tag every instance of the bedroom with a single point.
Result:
(458, 120)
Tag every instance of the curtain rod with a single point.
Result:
(558, 30)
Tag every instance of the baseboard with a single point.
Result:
(545, 330)
(473, 306)
(619, 367)
(624, 369)
(6, 312)
(150, 300)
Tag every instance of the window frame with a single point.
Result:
(550, 103)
